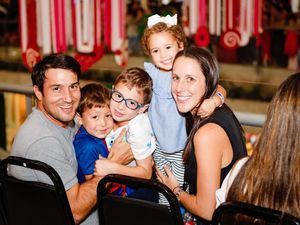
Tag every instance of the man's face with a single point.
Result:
(60, 97)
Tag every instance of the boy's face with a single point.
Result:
(163, 49)
(97, 121)
(120, 112)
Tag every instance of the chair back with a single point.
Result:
(236, 213)
(115, 209)
(30, 202)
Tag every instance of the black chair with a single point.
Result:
(33, 203)
(244, 213)
(115, 209)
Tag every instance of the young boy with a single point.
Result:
(130, 99)
(96, 122)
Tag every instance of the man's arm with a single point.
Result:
(82, 198)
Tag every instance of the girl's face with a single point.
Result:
(188, 84)
(163, 49)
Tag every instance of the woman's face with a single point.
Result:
(188, 84)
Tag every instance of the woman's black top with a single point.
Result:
(225, 118)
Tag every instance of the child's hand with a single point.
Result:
(206, 108)
(120, 151)
(103, 167)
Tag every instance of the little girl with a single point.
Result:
(162, 39)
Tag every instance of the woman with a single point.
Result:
(214, 143)
(272, 173)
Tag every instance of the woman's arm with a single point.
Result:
(209, 144)
(212, 146)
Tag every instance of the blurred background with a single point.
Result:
(255, 41)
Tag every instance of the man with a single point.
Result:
(48, 132)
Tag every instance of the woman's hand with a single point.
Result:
(169, 179)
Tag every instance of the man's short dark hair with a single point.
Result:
(53, 61)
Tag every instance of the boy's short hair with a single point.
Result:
(53, 61)
(137, 78)
(93, 95)
(176, 31)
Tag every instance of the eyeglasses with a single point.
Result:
(130, 104)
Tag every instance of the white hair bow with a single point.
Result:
(169, 20)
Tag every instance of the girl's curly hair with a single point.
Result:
(176, 31)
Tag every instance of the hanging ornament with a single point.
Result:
(295, 5)
(88, 32)
(245, 22)
(202, 38)
(28, 32)
(115, 33)
(257, 17)
(193, 15)
(198, 22)
(230, 39)
(215, 12)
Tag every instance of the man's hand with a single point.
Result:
(120, 151)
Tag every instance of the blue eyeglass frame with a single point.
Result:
(126, 100)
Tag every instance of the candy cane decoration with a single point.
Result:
(44, 29)
(52, 25)
(23, 25)
(84, 25)
(215, 12)
(295, 5)
(193, 15)
(87, 25)
(245, 25)
(28, 31)
(115, 34)
(257, 17)
(59, 26)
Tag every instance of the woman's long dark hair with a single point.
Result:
(210, 69)
(271, 176)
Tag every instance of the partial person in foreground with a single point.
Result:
(48, 132)
(270, 177)
(214, 143)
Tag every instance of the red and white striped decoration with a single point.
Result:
(230, 37)
(234, 20)
(257, 17)
(115, 30)
(28, 29)
(52, 25)
(197, 14)
(87, 25)
(84, 25)
(215, 16)
(246, 22)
